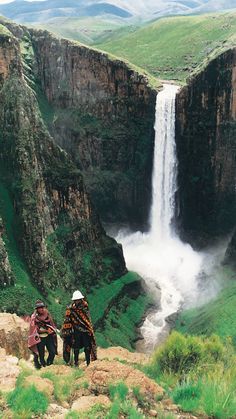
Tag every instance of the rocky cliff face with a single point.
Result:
(55, 227)
(206, 147)
(103, 114)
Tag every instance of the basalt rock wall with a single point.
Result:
(103, 115)
(206, 148)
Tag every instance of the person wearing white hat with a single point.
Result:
(77, 296)
(77, 330)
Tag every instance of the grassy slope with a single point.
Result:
(216, 317)
(87, 30)
(170, 48)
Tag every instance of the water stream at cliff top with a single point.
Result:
(169, 267)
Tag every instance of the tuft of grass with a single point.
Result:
(72, 415)
(27, 402)
(121, 405)
(188, 395)
(139, 397)
(118, 391)
(64, 386)
(115, 410)
(214, 397)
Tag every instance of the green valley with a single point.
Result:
(173, 48)
(88, 30)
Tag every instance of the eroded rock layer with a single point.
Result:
(206, 147)
(103, 114)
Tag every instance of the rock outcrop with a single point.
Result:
(122, 354)
(85, 403)
(101, 374)
(9, 371)
(14, 335)
(206, 148)
(103, 115)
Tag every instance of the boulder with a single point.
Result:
(56, 412)
(119, 353)
(100, 374)
(14, 335)
(9, 371)
(87, 402)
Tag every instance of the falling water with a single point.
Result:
(165, 165)
(169, 267)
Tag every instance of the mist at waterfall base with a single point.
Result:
(175, 275)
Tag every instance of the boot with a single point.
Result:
(87, 355)
(76, 358)
(36, 362)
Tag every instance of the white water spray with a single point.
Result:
(168, 266)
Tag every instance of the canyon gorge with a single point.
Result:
(77, 144)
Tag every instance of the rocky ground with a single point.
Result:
(75, 391)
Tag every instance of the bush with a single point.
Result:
(199, 373)
(180, 354)
(27, 402)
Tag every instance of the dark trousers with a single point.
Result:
(82, 340)
(49, 343)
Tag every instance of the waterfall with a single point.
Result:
(168, 266)
(165, 164)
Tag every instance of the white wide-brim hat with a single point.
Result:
(77, 295)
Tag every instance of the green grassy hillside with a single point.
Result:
(217, 316)
(88, 30)
(172, 48)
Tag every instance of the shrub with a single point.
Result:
(180, 354)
